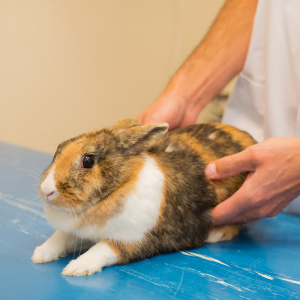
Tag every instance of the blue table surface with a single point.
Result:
(261, 263)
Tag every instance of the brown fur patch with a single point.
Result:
(124, 251)
(224, 187)
(127, 252)
(237, 135)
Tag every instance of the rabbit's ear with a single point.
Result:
(140, 138)
(125, 124)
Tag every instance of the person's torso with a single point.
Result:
(266, 99)
(265, 102)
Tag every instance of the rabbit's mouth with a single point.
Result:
(56, 201)
(51, 196)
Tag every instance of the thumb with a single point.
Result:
(230, 165)
(146, 118)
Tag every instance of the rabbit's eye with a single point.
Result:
(88, 161)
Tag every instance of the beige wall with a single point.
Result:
(69, 66)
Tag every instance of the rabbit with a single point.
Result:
(136, 191)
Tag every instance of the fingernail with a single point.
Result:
(210, 170)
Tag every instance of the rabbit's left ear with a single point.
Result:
(125, 124)
(140, 138)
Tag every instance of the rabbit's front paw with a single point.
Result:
(46, 253)
(92, 261)
(81, 267)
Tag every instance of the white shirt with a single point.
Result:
(266, 99)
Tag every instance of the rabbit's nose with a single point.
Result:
(50, 194)
(49, 198)
(48, 186)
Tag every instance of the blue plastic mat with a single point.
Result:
(261, 263)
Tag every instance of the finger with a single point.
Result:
(230, 165)
(144, 118)
(230, 208)
(251, 216)
(140, 118)
(189, 118)
(241, 219)
(265, 211)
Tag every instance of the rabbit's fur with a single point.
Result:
(145, 194)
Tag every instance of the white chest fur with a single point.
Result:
(139, 215)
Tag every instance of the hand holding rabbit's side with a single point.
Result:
(272, 182)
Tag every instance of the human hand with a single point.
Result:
(273, 180)
(173, 110)
(207, 70)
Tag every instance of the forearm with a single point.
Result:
(218, 58)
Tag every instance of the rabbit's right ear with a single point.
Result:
(125, 124)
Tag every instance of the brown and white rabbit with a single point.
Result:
(136, 191)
